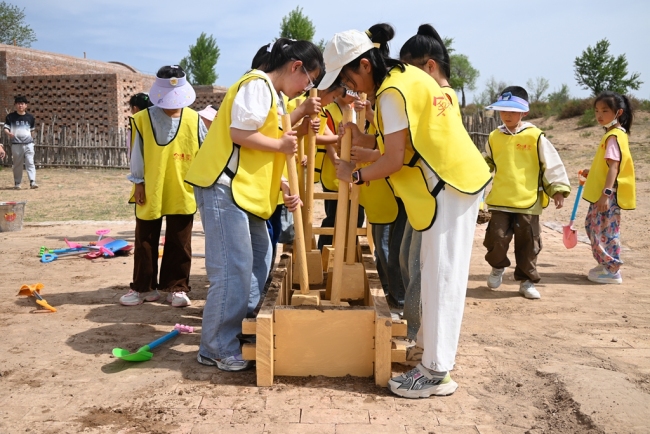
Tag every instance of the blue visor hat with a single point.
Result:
(507, 102)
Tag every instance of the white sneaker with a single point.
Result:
(596, 270)
(606, 277)
(180, 299)
(134, 298)
(495, 278)
(528, 290)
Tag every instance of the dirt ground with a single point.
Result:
(576, 361)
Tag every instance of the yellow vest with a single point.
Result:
(256, 182)
(165, 167)
(320, 150)
(327, 169)
(517, 176)
(625, 183)
(437, 137)
(452, 97)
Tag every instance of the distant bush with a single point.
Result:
(639, 104)
(557, 99)
(471, 109)
(588, 119)
(538, 109)
(575, 107)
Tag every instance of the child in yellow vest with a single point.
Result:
(437, 172)
(427, 51)
(528, 170)
(237, 178)
(165, 138)
(610, 186)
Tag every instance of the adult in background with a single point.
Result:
(20, 127)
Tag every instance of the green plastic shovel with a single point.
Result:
(144, 353)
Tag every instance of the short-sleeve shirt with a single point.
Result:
(21, 126)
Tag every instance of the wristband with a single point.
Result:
(356, 177)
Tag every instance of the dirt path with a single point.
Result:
(578, 360)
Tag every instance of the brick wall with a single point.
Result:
(208, 95)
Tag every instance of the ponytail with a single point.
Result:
(426, 44)
(618, 102)
(379, 58)
(261, 58)
(286, 50)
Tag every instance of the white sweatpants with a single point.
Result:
(444, 261)
(23, 154)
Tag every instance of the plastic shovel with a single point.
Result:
(569, 234)
(34, 291)
(144, 353)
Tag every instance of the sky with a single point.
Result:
(512, 41)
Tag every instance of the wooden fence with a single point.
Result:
(79, 146)
(83, 147)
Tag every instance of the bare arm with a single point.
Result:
(390, 162)
(253, 139)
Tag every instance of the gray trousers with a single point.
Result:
(23, 154)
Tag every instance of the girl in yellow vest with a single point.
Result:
(427, 51)
(610, 186)
(527, 171)
(437, 172)
(237, 176)
(165, 138)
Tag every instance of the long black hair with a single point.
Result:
(618, 102)
(286, 50)
(379, 58)
(426, 44)
(261, 58)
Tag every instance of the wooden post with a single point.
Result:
(354, 200)
(301, 170)
(341, 215)
(301, 261)
(309, 186)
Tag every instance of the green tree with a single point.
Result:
(558, 98)
(598, 71)
(537, 88)
(200, 64)
(13, 28)
(491, 92)
(463, 74)
(298, 26)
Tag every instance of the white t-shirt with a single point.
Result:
(249, 111)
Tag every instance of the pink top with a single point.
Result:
(612, 152)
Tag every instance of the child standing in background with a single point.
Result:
(610, 186)
(166, 137)
(528, 170)
(20, 127)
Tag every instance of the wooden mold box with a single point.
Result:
(332, 341)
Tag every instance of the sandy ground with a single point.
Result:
(576, 361)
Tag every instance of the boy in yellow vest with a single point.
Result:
(166, 138)
(528, 170)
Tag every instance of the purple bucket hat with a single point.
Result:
(172, 93)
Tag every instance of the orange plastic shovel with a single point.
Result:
(569, 234)
(34, 291)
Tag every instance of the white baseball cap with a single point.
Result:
(208, 113)
(341, 50)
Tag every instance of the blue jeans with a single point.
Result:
(388, 239)
(237, 261)
(409, 262)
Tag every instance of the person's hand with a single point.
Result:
(558, 200)
(315, 124)
(360, 155)
(311, 106)
(2, 152)
(360, 105)
(10, 134)
(585, 172)
(344, 170)
(291, 202)
(288, 143)
(303, 163)
(139, 195)
(603, 203)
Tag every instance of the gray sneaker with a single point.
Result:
(528, 290)
(420, 383)
(230, 364)
(495, 278)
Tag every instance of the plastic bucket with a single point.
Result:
(11, 216)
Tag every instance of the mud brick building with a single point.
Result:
(71, 90)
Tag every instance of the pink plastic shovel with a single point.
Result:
(569, 234)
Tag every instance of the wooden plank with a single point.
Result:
(330, 231)
(248, 326)
(399, 328)
(248, 351)
(326, 195)
(398, 351)
(329, 341)
(309, 184)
